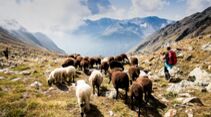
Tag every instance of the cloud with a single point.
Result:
(196, 5)
(39, 15)
(97, 6)
(148, 5)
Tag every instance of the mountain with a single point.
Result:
(119, 35)
(189, 27)
(16, 32)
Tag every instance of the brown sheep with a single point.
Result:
(104, 66)
(92, 61)
(118, 58)
(78, 60)
(120, 80)
(97, 61)
(133, 73)
(116, 64)
(84, 64)
(134, 61)
(124, 58)
(110, 59)
(147, 86)
(136, 91)
(68, 62)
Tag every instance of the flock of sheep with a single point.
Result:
(140, 87)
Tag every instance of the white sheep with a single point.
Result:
(96, 79)
(62, 75)
(83, 93)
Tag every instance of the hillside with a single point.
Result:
(189, 27)
(24, 90)
(16, 32)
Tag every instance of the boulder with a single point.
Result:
(180, 87)
(171, 113)
(26, 72)
(2, 78)
(195, 100)
(189, 112)
(15, 79)
(209, 88)
(36, 84)
(202, 77)
(206, 47)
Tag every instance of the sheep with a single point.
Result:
(68, 62)
(133, 73)
(124, 58)
(62, 75)
(97, 61)
(116, 64)
(104, 66)
(92, 61)
(110, 59)
(96, 79)
(83, 94)
(136, 91)
(118, 58)
(78, 60)
(84, 64)
(134, 61)
(147, 86)
(119, 80)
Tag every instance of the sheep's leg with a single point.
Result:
(139, 110)
(132, 106)
(87, 103)
(80, 102)
(117, 93)
(93, 86)
(126, 95)
(98, 90)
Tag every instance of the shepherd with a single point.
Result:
(6, 53)
(170, 59)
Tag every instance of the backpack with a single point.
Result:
(172, 58)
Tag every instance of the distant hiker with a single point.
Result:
(170, 59)
(6, 53)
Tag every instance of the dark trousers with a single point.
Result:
(167, 75)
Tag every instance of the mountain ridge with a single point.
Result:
(191, 26)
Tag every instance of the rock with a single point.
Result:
(27, 72)
(171, 113)
(174, 71)
(15, 79)
(184, 95)
(174, 80)
(36, 84)
(203, 78)
(2, 78)
(161, 72)
(191, 78)
(111, 94)
(208, 88)
(190, 48)
(206, 47)
(192, 100)
(111, 113)
(188, 57)
(142, 73)
(209, 67)
(189, 112)
(181, 86)
(203, 89)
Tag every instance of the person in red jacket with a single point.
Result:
(170, 60)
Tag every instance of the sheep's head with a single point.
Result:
(50, 82)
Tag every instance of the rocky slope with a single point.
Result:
(16, 32)
(189, 27)
(24, 90)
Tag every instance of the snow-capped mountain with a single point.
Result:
(113, 34)
(20, 33)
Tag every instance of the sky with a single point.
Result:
(57, 17)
